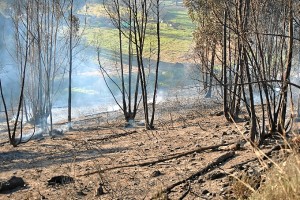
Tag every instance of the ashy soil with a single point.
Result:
(189, 156)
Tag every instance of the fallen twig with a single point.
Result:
(201, 127)
(214, 164)
(114, 136)
(170, 157)
(186, 192)
(3, 143)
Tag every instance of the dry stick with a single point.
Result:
(3, 143)
(186, 192)
(201, 127)
(109, 137)
(214, 164)
(114, 136)
(199, 150)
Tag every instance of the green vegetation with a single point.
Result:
(96, 10)
(176, 33)
(83, 91)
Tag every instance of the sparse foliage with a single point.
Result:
(132, 19)
(257, 58)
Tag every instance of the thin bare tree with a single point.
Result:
(131, 18)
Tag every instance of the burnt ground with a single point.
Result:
(189, 156)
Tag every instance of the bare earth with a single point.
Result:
(132, 163)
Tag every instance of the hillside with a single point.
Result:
(191, 153)
(176, 31)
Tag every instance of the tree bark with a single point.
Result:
(225, 92)
(70, 68)
(286, 77)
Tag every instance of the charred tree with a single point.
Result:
(225, 86)
(71, 23)
(286, 76)
(132, 26)
(13, 129)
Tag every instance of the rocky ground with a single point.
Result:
(193, 154)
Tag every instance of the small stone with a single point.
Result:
(60, 180)
(11, 184)
(205, 192)
(216, 175)
(241, 167)
(247, 123)
(250, 171)
(225, 185)
(220, 113)
(200, 180)
(80, 193)
(99, 190)
(269, 164)
(156, 173)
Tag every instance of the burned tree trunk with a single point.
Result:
(211, 73)
(136, 16)
(70, 66)
(225, 86)
(286, 76)
(298, 110)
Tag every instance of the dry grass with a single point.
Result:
(283, 182)
(244, 186)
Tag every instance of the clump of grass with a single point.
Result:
(283, 182)
(280, 182)
(244, 186)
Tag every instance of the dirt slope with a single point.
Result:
(134, 163)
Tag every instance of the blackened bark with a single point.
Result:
(225, 92)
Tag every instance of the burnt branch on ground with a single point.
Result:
(212, 165)
(170, 157)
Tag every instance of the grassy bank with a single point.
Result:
(176, 32)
